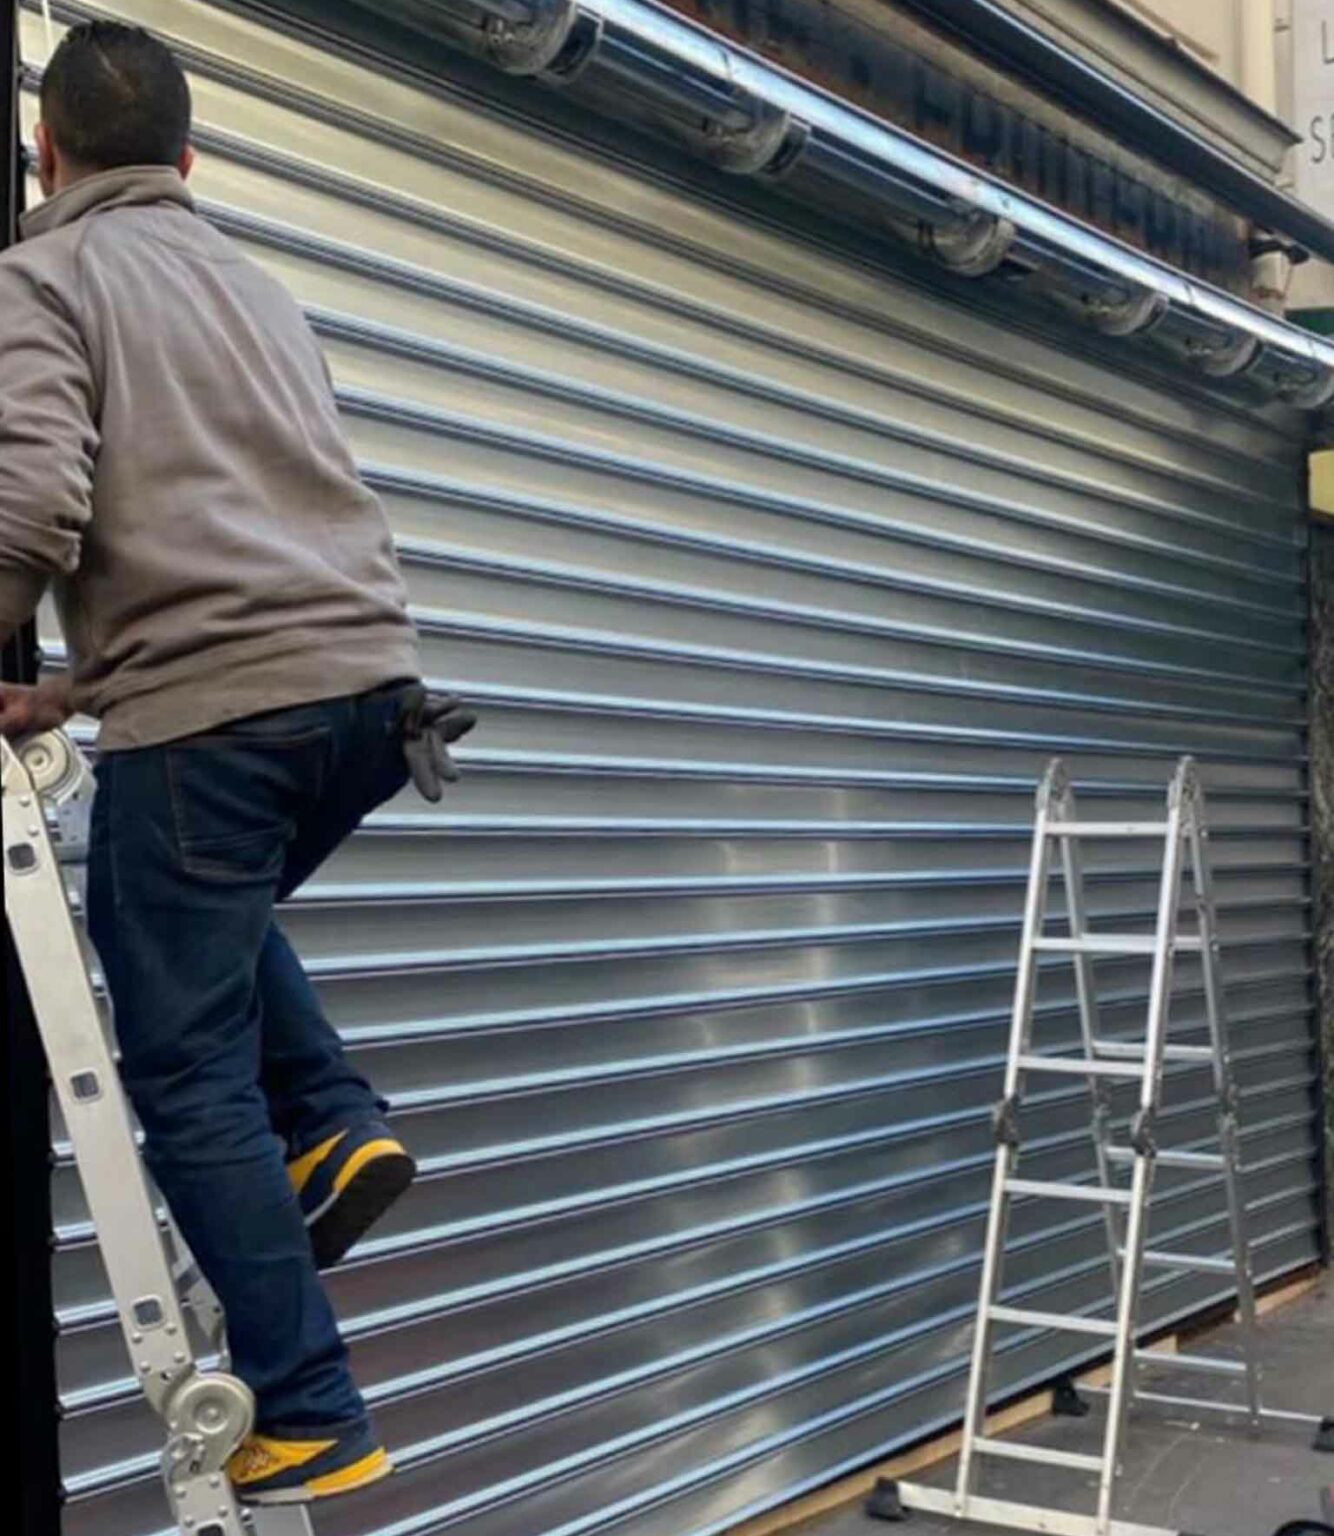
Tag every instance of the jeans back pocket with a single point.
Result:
(235, 794)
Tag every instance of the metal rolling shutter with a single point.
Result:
(778, 576)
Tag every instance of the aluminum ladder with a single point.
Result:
(1104, 1061)
(166, 1307)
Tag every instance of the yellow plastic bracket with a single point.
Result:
(1320, 467)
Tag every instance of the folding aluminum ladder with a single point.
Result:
(46, 790)
(1105, 1060)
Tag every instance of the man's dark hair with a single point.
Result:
(112, 96)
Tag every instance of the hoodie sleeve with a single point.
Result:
(48, 439)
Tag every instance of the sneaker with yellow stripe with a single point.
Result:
(346, 1183)
(298, 1466)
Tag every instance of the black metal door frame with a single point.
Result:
(32, 1445)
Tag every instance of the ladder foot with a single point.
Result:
(884, 1502)
(1324, 1436)
(1066, 1403)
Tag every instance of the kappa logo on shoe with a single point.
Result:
(265, 1470)
(259, 1457)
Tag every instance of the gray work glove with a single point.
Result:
(429, 722)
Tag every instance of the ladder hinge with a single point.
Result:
(1005, 1122)
(1142, 1134)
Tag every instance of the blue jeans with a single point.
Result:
(226, 1055)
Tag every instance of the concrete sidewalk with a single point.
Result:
(1211, 1478)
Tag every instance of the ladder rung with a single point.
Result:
(1135, 1050)
(1018, 1517)
(1097, 1194)
(1106, 829)
(1211, 1162)
(1112, 944)
(1078, 1066)
(1063, 1321)
(1210, 1266)
(1210, 1405)
(279, 1520)
(1012, 1450)
(1207, 1364)
(1099, 944)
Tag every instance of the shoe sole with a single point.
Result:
(356, 1209)
(301, 1494)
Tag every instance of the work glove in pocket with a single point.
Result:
(430, 723)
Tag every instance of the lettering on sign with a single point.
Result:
(1313, 101)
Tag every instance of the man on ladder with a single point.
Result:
(171, 456)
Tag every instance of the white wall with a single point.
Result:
(1250, 44)
(1233, 37)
